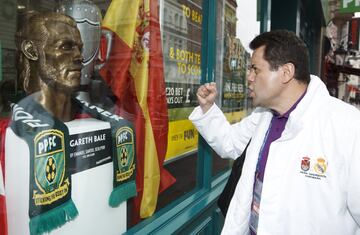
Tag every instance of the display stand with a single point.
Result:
(91, 189)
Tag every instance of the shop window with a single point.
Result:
(181, 34)
(235, 25)
(182, 60)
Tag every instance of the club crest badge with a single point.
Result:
(125, 154)
(314, 167)
(305, 163)
(320, 166)
(49, 167)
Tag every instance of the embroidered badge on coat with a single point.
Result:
(305, 163)
(314, 168)
(320, 166)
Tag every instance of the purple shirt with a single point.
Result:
(277, 126)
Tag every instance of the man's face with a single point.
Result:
(60, 63)
(265, 86)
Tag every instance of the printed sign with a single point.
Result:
(181, 24)
(183, 138)
(90, 149)
(350, 6)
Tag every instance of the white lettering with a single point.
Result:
(106, 113)
(81, 141)
(27, 118)
(122, 138)
(34, 123)
(99, 137)
(187, 96)
(116, 117)
(41, 147)
(85, 103)
(20, 115)
(346, 2)
(16, 107)
(102, 111)
(52, 141)
(47, 144)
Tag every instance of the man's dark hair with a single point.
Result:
(281, 47)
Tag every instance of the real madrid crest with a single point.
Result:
(320, 166)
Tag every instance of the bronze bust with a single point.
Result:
(49, 61)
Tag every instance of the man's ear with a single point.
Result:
(29, 50)
(288, 71)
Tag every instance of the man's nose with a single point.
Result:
(250, 75)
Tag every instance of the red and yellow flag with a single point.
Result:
(134, 72)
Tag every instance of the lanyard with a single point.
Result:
(262, 147)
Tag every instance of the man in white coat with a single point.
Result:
(301, 173)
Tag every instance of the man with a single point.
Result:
(302, 167)
(49, 46)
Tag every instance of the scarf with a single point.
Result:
(50, 203)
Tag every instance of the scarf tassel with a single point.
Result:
(53, 219)
(122, 193)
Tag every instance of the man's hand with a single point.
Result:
(206, 95)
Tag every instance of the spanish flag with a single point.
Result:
(134, 71)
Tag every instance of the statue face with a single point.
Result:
(60, 62)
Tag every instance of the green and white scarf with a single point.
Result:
(50, 203)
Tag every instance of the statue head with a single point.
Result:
(49, 53)
(88, 19)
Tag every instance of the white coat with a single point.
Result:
(312, 176)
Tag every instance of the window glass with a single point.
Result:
(181, 36)
(107, 88)
(236, 26)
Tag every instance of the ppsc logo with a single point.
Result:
(49, 167)
(125, 153)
